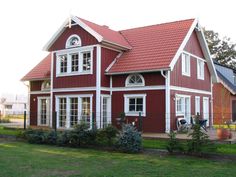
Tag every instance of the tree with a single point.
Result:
(222, 50)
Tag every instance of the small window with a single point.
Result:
(135, 80)
(200, 69)
(46, 85)
(185, 64)
(63, 63)
(86, 61)
(135, 104)
(73, 41)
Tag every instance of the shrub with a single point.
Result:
(106, 136)
(173, 144)
(34, 136)
(199, 140)
(130, 139)
(63, 138)
(51, 137)
(5, 120)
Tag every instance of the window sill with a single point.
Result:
(135, 114)
(186, 74)
(200, 78)
(74, 74)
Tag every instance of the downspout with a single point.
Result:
(167, 99)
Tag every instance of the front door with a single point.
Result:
(234, 110)
(43, 111)
(206, 109)
(106, 111)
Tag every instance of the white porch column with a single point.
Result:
(167, 83)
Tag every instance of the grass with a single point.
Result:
(22, 160)
(161, 144)
(9, 131)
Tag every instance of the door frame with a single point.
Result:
(108, 97)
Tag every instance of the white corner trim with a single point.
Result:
(51, 92)
(186, 39)
(185, 89)
(167, 100)
(98, 86)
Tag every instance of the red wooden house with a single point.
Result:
(161, 71)
(224, 95)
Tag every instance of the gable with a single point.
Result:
(86, 38)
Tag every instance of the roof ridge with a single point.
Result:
(159, 24)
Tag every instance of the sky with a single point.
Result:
(30, 24)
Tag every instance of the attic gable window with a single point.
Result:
(73, 41)
(185, 64)
(134, 80)
(46, 85)
(200, 69)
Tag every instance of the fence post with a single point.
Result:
(55, 120)
(140, 122)
(24, 120)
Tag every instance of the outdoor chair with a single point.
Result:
(182, 124)
(202, 122)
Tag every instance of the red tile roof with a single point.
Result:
(153, 47)
(40, 71)
(107, 33)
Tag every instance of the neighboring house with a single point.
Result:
(12, 104)
(224, 95)
(161, 71)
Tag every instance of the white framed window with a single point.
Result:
(134, 104)
(197, 105)
(134, 80)
(183, 106)
(186, 64)
(74, 62)
(73, 109)
(200, 69)
(73, 41)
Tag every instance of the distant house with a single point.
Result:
(224, 95)
(11, 104)
(160, 72)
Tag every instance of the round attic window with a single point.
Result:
(73, 41)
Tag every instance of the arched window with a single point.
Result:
(73, 41)
(46, 85)
(134, 80)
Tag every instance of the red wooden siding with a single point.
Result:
(35, 85)
(85, 37)
(87, 80)
(222, 105)
(192, 105)
(106, 59)
(151, 79)
(34, 107)
(155, 109)
(177, 79)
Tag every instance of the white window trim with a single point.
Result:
(68, 41)
(198, 70)
(38, 110)
(183, 65)
(126, 104)
(134, 85)
(182, 96)
(43, 88)
(67, 126)
(69, 52)
(197, 104)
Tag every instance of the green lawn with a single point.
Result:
(22, 159)
(9, 131)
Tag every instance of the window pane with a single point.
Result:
(139, 108)
(62, 112)
(73, 111)
(74, 62)
(85, 114)
(131, 107)
(63, 63)
(86, 61)
(139, 100)
(135, 80)
(132, 101)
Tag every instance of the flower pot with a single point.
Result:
(223, 134)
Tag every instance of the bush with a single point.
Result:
(199, 140)
(130, 139)
(5, 120)
(106, 136)
(173, 144)
(51, 137)
(63, 138)
(34, 136)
